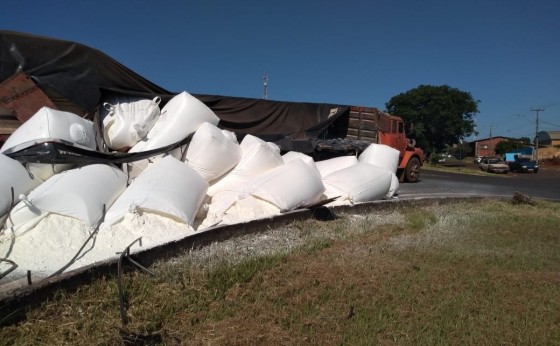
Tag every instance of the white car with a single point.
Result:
(489, 164)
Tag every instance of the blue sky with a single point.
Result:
(356, 52)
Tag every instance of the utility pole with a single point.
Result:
(537, 110)
(265, 86)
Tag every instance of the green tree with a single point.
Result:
(441, 115)
(509, 146)
(460, 150)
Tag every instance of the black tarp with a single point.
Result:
(79, 73)
(273, 120)
(85, 75)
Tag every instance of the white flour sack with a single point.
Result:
(79, 193)
(294, 155)
(49, 124)
(128, 120)
(15, 176)
(179, 118)
(394, 186)
(257, 157)
(381, 155)
(167, 187)
(358, 183)
(290, 186)
(212, 152)
(280, 189)
(329, 166)
(134, 168)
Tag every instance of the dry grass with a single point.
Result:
(466, 273)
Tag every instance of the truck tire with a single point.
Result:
(412, 170)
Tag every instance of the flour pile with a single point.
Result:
(57, 223)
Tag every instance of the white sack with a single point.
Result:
(381, 155)
(128, 121)
(167, 187)
(212, 152)
(79, 193)
(290, 186)
(394, 186)
(294, 155)
(135, 168)
(284, 188)
(358, 183)
(230, 135)
(179, 118)
(43, 171)
(16, 176)
(329, 166)
(49, 123)
(258, 157)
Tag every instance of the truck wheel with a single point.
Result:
(412, 171)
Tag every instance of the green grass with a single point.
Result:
(463, 273)
(458, 168)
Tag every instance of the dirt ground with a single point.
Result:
(552, 163)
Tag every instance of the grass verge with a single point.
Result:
(464, 273)
(459, 168)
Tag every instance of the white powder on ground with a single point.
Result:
(242, 210)
(44, 249)
(247, 209)
(56, 240)
(56, 243)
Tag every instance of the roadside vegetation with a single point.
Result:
(459, 273)
(453, 165)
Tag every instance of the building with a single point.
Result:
(549, 138)
(549, 144)
(487, 146)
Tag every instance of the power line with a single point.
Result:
(524, 117)
(544, 122)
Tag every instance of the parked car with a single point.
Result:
(444, 158)
(523, 164)
(477, 159)
(493, 165)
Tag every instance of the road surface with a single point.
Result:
(545, 184)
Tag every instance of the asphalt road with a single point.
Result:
(545, 184)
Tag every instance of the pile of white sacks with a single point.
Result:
(54, 220)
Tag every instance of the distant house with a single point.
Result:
(549, 144)
(487, 146)
(549, 138)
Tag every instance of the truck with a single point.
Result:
(39, 71)
(318, 129)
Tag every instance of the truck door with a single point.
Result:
(396, 138)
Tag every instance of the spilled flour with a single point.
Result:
(60, 243)
(241, 210)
